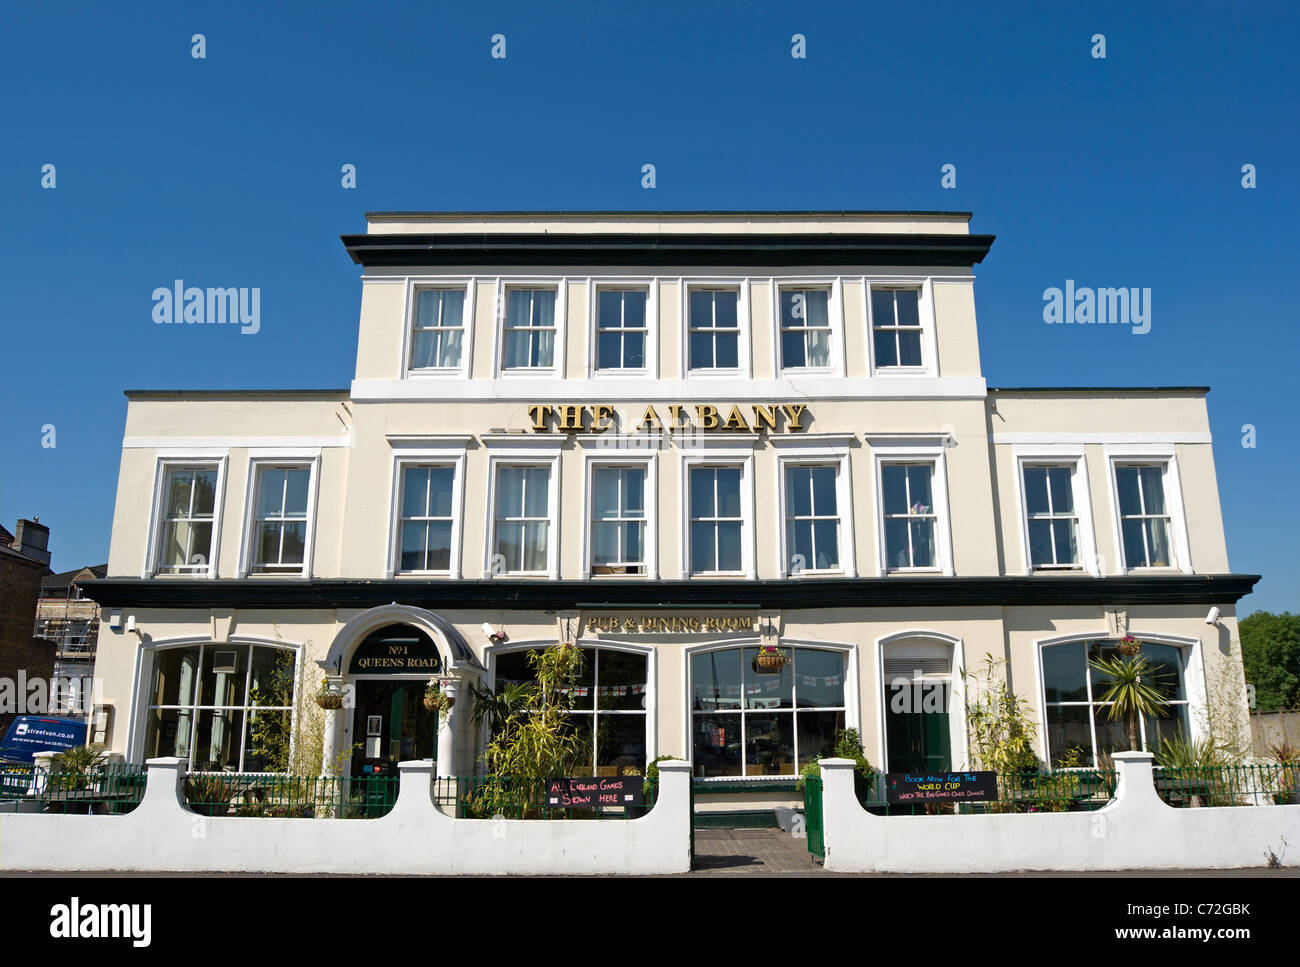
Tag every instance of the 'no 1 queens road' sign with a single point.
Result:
(909, 788)
(595, 792)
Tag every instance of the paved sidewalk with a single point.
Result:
(752, 852)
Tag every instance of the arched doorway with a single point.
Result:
(389, 669)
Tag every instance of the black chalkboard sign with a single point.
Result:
(911, 788)
(595, 792)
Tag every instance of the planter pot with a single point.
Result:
(768, 663)
(436, 703)
(329, 700)
(1130, 649)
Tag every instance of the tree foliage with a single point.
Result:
(1270, 652)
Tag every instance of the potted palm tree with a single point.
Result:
(1131, 691)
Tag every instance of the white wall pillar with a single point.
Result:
(448, 723)
(333, 726)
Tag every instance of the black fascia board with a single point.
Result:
(524, 595)
(667, 248)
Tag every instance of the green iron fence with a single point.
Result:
(1065, 790)
(110, 788)
(289, 797)
(814, 825)
(490, 797)
(1245, 785)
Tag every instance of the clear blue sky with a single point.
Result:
(225, 171)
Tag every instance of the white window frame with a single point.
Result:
(1059, 455)
(744, 342)
(834, 316)
(548, 457)
(413, 287)
(592, 461)
(828, 451)
(169, 460)
(706, 456)
(1194, 684)
(1166, 456)
(560, 285)
(425, 456)
(651, 288)
(904, 452)
(925, 314)
(263, 458)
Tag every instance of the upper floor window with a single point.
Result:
(1144, 515)
(185, 544)
(714, 329)
(910, 516)
(618, 520)
(1051, 517)
(621, 329)
(896, 327)
(280, 526)
(522, 519)
(425, 531)
(438, 329)
(716, 520)
(812, 519)
(805, 329)
(530, 329)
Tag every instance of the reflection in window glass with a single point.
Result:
(1078, 718)
(744, 722)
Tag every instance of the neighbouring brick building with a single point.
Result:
(24, 561)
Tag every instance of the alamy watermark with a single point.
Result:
(1084, 306)
(213, 306)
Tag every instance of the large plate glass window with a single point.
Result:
(621, 329)
(717, 524)
(439, 329)
(522, 518)
(744, 723)
(910, 518)
(1078, 720)
(805, 329)
(280, 529)
(222, 707)
(896, 327)
(189, 501)
(1051, 518)
(812, 521)
(609, 706)
(618, 520)
(425, 530)
(1144, 515)
(530, 329)
(714, 329)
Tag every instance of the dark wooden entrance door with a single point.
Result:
(916, 727)
(392, 725)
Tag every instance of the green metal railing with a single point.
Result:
(814, 825)
(1064, 790)
(114, 788)
(1245, 785)
(289, 797)
(506, 797)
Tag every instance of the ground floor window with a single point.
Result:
(1079, 724)
(749, 723)
(222, 707)
(609, 704)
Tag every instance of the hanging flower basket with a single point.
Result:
(329, 697)
(435, 699)
(1130, 646)
(770, 660)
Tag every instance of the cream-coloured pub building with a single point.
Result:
(669, 438)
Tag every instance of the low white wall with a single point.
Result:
(161, 834)
(1136, 831)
